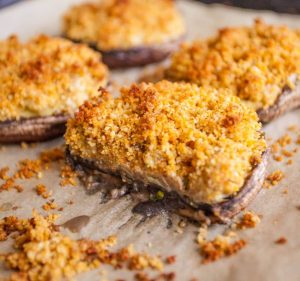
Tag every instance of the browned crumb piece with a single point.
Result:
(289, 162)
(28, 169)
(285, 191)
(36, 239)
(52, 155)
(24, 145)
(3, 173)
(298, 140)
(49, 206)
(274, 178)
(143, 261)
(7, 226)
(248, 220)
(275, 147)
(41, 190)
(68, 176)
(141, 276)
(171, 259)
(277, 158)
(18, 188)
(287, 153)
(293, 128)
(220, 247)
(281, 240)
(10, 184)
(284, 140)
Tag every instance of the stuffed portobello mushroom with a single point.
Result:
(42, 83)
(201, 148)
(127, 32)
(259, 64)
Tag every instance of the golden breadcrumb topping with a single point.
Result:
(202, 140)
(46, 76)
(43, 253)
(256, 62)
(123, 24)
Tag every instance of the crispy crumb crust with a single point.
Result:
(124, 24)
(200, 142)
(256, 62)
(46, 76)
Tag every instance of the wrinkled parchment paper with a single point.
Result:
(261, 260)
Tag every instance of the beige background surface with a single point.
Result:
(260, 260)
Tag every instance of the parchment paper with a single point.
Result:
(261, 260)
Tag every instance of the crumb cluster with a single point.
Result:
(248, 220)
(256, 62)
(46, 76)
(219, 247)
(203, 140)
(43, 253)
(124, 24)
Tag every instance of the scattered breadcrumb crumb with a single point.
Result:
(220, 247)
(293, 128)
(171, 259)
(41, 190)
(287, 153)
(281, 240)
(277, 158)
(49, 206)
(248, 220)
(142, 276)
(43, 253)
(24, 145)
(273, 178)
(284, 140)
(3, 173)
(69, 177)
(289, 162)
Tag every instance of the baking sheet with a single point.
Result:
(262, 259)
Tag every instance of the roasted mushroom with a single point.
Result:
(127, 32)
(42, 83)
(201, 147)
(260, 64)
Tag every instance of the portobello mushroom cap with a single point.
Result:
(42, 83)
(32, 129)
(202, 147)
(136, 56)
(127, 33)
(260, 64)
(114, 184)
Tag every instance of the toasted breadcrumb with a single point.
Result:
(46, 76)
(44, 254)
(171, 259)
(275, 177)
(204, 138)
(256, 62)
(3, 173)
(68, 176)
(28, 168)
(123, 24)
(49, 206)
(142, 276)
(281, 240)
(41, 190)
(220, 247)
(248, 220)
